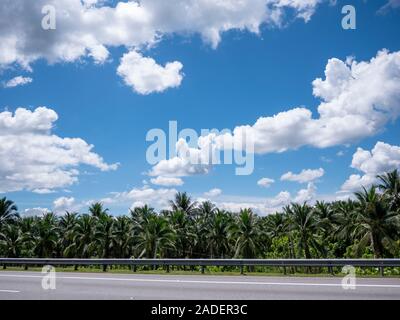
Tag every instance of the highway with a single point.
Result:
(100, 286)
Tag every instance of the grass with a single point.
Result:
(211, 271)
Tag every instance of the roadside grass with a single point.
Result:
(214, 271)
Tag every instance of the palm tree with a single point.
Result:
(155, 237)
(275, 225)
(27, 225)
(140, 213)
(183, 203)
(336, 229)
(184, 235)
(83, 233)
(376, 222)
(11, 241)
(67, 224)
(218, 235)
(122, 237)
(389, 183)
(344, 224)
(305, 224)
(103, 235)
(8, 211)
(246, 234)
(46, 236)
(97, 209)
(325, 217)
(206, 209)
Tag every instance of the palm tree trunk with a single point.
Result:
(307, 254)
(377, 246)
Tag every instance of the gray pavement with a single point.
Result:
(28, 285)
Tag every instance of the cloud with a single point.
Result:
(306, 175)
(63, 204)
(265, 182)
(213, 193)
(188, 162)
(357, 100)
(265, 206)
(35, 212)
(160, 199)
(167, 181)
(17, 81)
(43, 191)
(145, 76)
(89, 28)
(157, 198)
(306, 195)
(33, 158)
(382, 158)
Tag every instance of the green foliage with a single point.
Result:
(366, 227)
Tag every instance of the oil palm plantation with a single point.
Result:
(342, 229)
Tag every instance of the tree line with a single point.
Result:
(366, 226)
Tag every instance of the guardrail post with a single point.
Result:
(26, 267)
(134, 267)
(202, 269)
(284, 271)
(382, 270)
(167, 268)
(241, 270)
(330, 270)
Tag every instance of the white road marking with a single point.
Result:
(10, 291)
(208, 281)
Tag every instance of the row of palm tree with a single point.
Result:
(367, 226)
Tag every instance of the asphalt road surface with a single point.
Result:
(28, 286)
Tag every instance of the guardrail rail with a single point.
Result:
(203, 263)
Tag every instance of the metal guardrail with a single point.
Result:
(209, 262)
(241, 263)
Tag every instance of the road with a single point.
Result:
(28, 286)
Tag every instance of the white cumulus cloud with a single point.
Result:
(145, 76)
(306, 175)
(213, 193)
(357, 100)
(89, 28)
(63, 204)
(167, 181)
(33, 158)
(265, 182)
(382, 158)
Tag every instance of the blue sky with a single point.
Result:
(247, 76)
